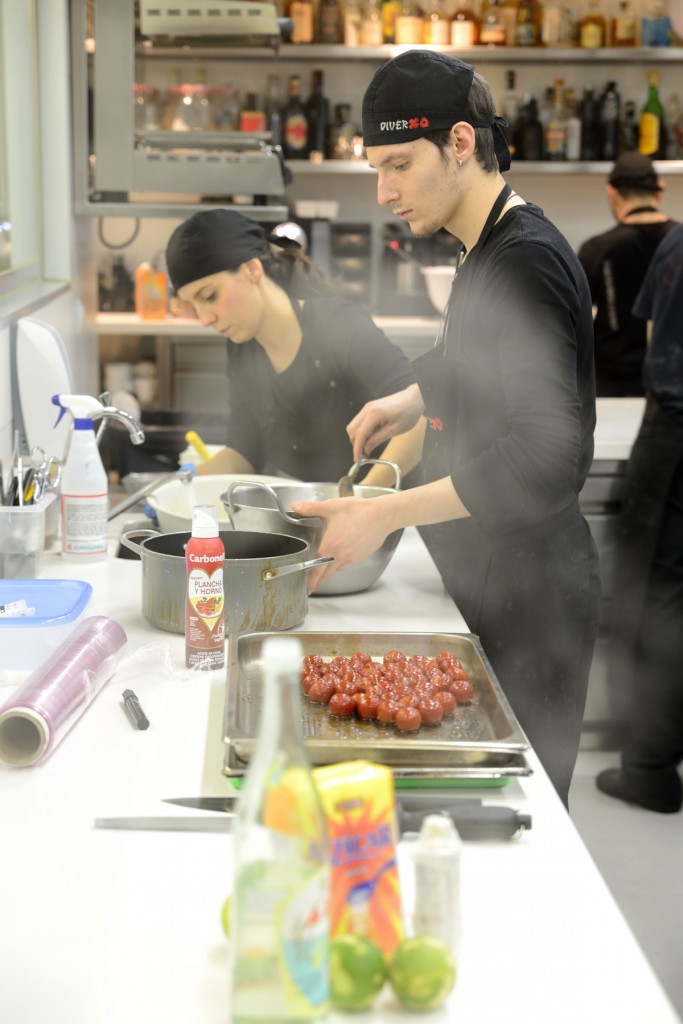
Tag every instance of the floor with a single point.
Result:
(640, 856)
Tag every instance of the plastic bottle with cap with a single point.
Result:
(84, 486)
(436, 860)
(205, 598)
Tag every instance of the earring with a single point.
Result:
(459, 163)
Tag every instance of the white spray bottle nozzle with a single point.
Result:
(81, 407)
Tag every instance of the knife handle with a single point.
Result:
(472, 821)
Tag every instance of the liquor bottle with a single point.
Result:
(408, 26)
(610, 114)
(556, 130)
(281, 866)
(330, 22)
(371, 28)
(351, 20)
(673, 114)
(655, 24)
(510, 107)
(507, 12)
(464, 27)
(573, 127)
(390, 10)
(651, 132)
(437, 26)
(317, 110)
(592, 27)
(556, 24)
(590, 125)
(302, 14)
(252, 114)
(492, 29)
(273, 109)
(294, 124)
(629, 129)
(528, 24)
(531, 133)
(624, 25)
(342, 133)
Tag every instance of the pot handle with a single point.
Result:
(125, 539)
(274, 574)
(231, 505)
(363, 461)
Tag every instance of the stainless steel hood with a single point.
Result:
(122, 171)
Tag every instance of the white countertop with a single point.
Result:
(105, 927)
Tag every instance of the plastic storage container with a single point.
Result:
(29, 640)
(25, 533)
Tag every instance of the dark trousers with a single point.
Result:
(535, 608)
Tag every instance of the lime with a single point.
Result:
(357, 971)
(422, 972)
(225, 915)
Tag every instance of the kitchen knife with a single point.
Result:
(473, 819)
(152, 823)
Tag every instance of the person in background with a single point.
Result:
(302, 360)
(615, 262)
(646, 662)
(509, 393)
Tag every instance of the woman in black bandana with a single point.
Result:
(302, 361)
(509, 393)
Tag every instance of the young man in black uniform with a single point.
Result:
(509, 395)
(646, 662)
(615, 262)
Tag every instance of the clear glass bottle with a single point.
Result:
(147, 111)
(492, 29)
(281, 866)
(508, 15)
(464, 26)
(371, 28)
(351, 20)
(273, 109)
(573, 126)
(437, 24)
(408, 27)
(510, 106)
(556, 24)
(342, 133)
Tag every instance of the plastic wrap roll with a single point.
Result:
(43, 709)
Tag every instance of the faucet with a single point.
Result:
(111, 412)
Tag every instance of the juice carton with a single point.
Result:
(365, 898)
(151, 288)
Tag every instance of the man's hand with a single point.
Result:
(355, 528)
(384, 418)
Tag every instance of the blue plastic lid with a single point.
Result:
(55, 602)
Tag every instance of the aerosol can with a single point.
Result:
(84, 486)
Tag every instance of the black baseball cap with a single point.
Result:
(634, 170)
(210, 242)
(420, 92)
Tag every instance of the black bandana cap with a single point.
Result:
(420, 92)
(212, 241)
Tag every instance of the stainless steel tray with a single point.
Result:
(481, 740)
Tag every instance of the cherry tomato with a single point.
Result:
(321, 691)
(366, 705)
(343, 704)
(463, 690)
(431, 710)
(387, 710)
(448, 701)
(408, 719)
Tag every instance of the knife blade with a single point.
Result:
(205, 803)
(169, 824)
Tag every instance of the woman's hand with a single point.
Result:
(384, 418)
(355, 528)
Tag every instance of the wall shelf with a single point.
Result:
(602, 168)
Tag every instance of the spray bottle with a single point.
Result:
(84, 488)
(205, 600)
(436, 859)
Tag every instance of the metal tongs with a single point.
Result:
(345, 485)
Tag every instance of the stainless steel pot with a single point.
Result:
(267, 508)
(264, 579)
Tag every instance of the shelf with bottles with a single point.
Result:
(562, 167)
(379, 54)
